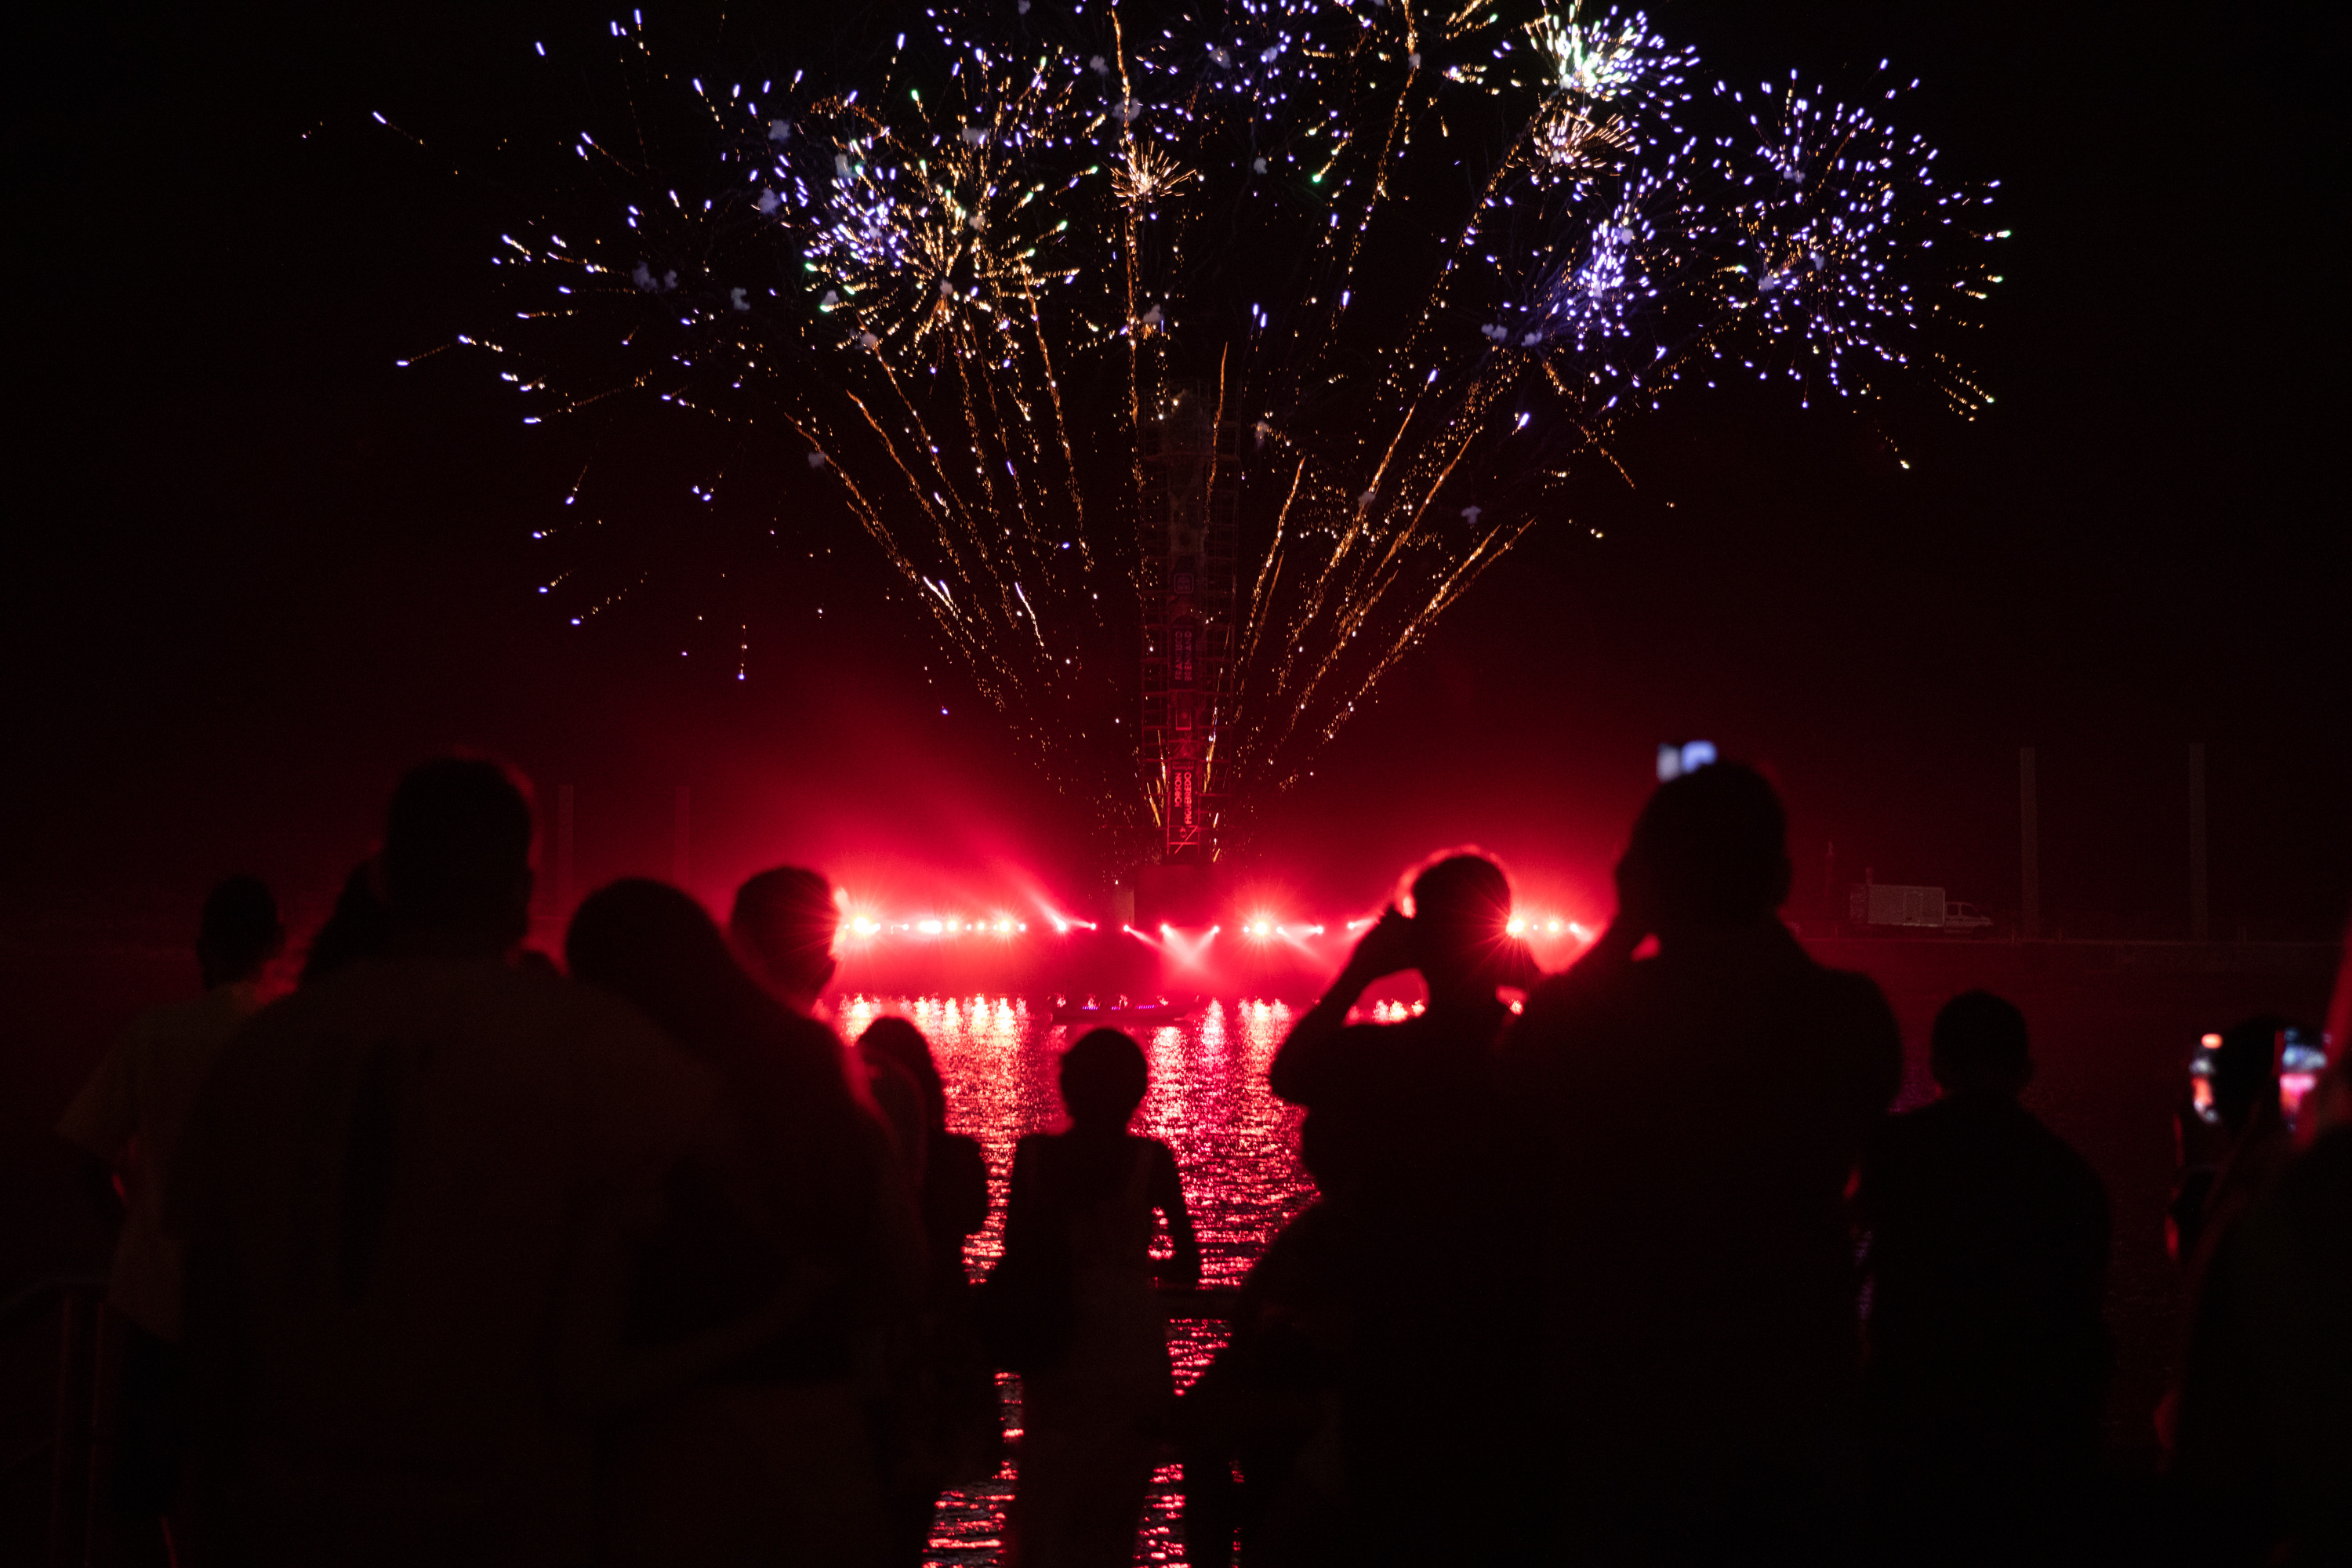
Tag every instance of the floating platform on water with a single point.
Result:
(1123, 1013)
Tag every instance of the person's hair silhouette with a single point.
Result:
(656, 946)
(895, 1040)
(784, 921)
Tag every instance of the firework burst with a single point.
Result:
(1266, 337)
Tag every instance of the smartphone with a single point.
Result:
(2302, 1058)
(2200, 1081)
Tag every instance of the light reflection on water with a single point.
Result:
(1237, 1147)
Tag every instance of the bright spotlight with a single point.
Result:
(1554, 927)
(1003, 927)
(930, 928)
(1260, 928)
(1515, 925)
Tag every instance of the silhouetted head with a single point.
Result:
(1460, 915)
(1980, 1046)
(457, 852)
(784, 921)
(239, 932)
(894, 1039)
(1103, 1079)
(2244, 1070)
(1709, 850)
(360, 927)
(660, 949)
(787, 1080)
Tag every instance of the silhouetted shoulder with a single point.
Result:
(1307, 1070)
(1561, 1008)
(549, 1060)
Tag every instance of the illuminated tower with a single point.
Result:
(1186, 544)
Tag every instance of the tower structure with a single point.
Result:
(1187, 541)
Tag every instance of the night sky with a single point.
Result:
(254, 569)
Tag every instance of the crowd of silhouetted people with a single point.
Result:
(448, 1254)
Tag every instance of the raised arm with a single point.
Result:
(1306, 1052)
(1182, 1268)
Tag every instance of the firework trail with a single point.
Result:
(1329, 294)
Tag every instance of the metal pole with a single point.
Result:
(2200, 923)
(2029, 845)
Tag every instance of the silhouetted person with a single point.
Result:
(774, 1455)
(898, 1100)
(1400, 1132)
(2226, 1162)
(1271, 1404)
(1695, 1118)
(358, 927)
(2261, 1442)
(1988, 1354)
(955, 1188)
(1092, 1422)
(783, 923)
(947, 1424)
(410, 1194)
(129, 1118)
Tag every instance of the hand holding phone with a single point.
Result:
(1385, 949)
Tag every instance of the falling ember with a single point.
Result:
(1088, 333)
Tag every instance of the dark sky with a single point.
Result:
(254, 569)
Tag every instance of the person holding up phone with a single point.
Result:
(1399, 1134)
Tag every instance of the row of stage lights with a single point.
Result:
(1262, 928)
(866, 927)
